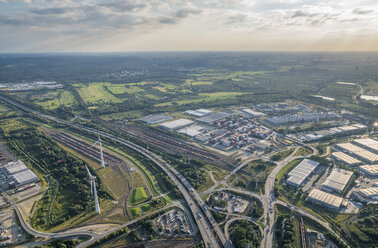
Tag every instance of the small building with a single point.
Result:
(152, 119)
(301, 172)
(371, 170)
(337, 180)
(325, 199)
(345, 158)
(176, 124)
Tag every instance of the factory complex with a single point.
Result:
(337, 180)
(301, 172)
(320, 134)
(223, 130)
(15, 174)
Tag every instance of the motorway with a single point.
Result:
(203, 217)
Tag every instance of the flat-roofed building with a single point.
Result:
(325, 199)
(337, 180)
(301, 172)
(24, 177)
(368, 143)
(176, 124)
(152, 119)
(348, 147)
(198, 112)
(371, 193)
(366, 156)
(251, 113)
(371, 170)
(214, 117)
(345, 158)
(14, 167)
(192, 130)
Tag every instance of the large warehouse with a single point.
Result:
(371, 193)
(198, 112)
(367, 156)
(349, 148)
(152, 119)
(369, 144)
(345, 158)
(176, 124)
(214, 117)
(325, 199)
(14, 167)
(300, 173)
(337, 180)
(24, 177)
(371, 170)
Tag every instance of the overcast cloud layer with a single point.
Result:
(140, 25)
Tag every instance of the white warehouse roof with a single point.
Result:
(198, 112)
(345, 158)
(325, 198)
(24, 177)
(179, 123)
(370, 169)
(301, 172)
(14, 167)
(152, 119)
(369, 192)
(337, 180)
(367, 143)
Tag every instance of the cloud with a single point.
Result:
(362, 11)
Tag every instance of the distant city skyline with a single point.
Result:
(173, 25)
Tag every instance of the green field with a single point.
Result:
(68, 99)
(138, 195)
(95, 93)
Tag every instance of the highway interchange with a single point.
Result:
(209, 229)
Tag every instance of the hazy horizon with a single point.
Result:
(91, 26)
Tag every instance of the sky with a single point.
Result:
(33, 26)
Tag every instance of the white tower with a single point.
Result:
(94, 191)
(101, 153)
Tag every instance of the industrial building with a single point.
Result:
(214, 117)
(368, 144)
(305, 117)
(17, 174)
(325, 199)
(370, 193)
(152, 119)
(24, 177)
(198, 112)
(371, 170)
(337, 180)
(345, 158)
(348, 147)
(176, 124)
(251, 113)
(14, 167)
(192, 131)
(366, 156)
(301, 172)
